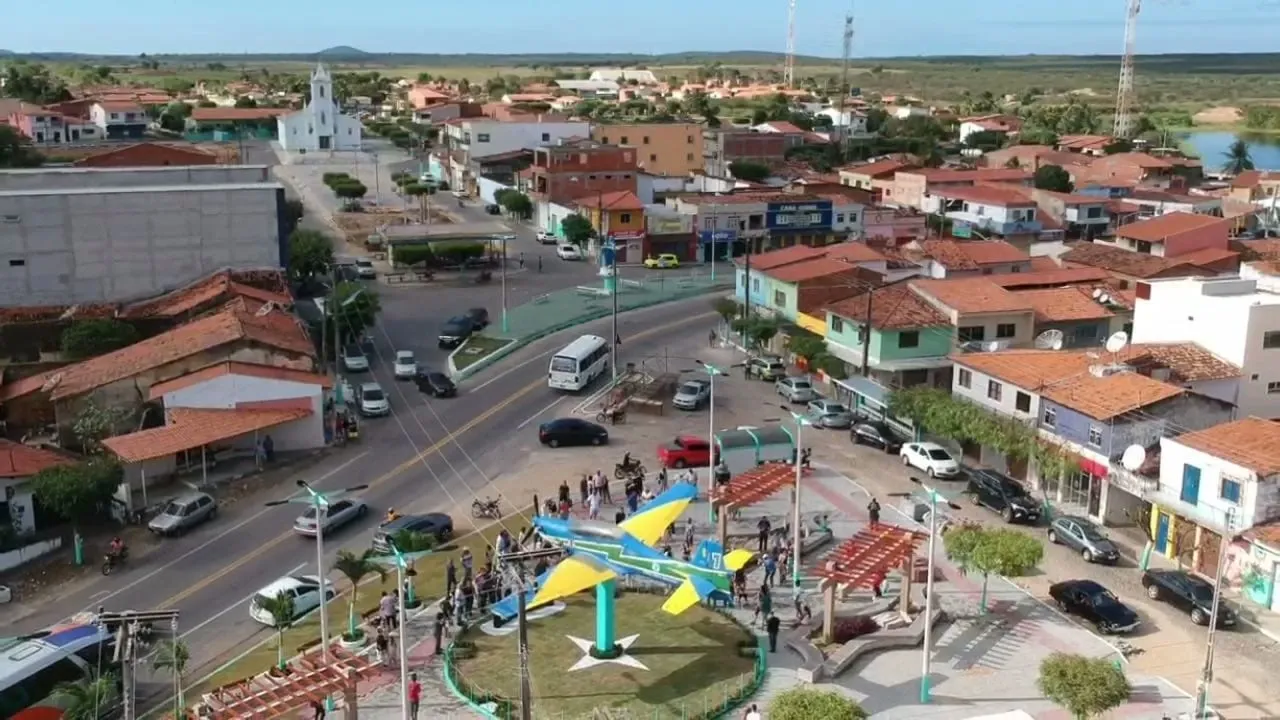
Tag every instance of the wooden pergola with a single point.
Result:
(267, 696)
(865, 557)
(748, 488)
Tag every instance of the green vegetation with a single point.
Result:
(1054, 178)
(16, 150)
(173, 656)
(96, 336)
(808, 703)
(1083, 686)
(1238, 158)
(577, 229)
(310, 254)
(477, 348)
(77, 493)
(992, 551)
(85, 699)
(438, 254)
(355, 567)
(356, 308)
(514, 202)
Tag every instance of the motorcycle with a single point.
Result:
(487, 508)
(111, 560)
(484, 277)
(622, 471)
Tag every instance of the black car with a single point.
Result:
(456, 331)
(875, 433)
(437, 525)
(572, 431)
(1094, 603)
(435, 384)
(479, 317)
(493, 209)
(1004, 495)
(1188, 593)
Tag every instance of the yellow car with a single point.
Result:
(666, 260)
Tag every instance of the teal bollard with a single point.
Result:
(78, 546)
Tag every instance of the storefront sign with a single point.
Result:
(623, 235)
(706, 237)
(668, 226)
(807, 216)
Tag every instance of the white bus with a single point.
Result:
(581, 362)
(31, 667)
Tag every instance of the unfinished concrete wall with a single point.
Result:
(103, 178)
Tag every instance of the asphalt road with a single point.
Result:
(422, 458)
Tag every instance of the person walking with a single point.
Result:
(317, 710)
(763, 528)
(772, 625)
(662, 481)
(711, 339)
(770, 569)
(437, 631)
(387, 610)
(752, 714)
(380, 647)
(584, 489)
(415, 696)
(593, 506)
(873, 511)
(450, 577)
(521, 261)
(539, 263)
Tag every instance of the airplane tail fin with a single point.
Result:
(691, 592)
(711, 555)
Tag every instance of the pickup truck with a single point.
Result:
(685, 451)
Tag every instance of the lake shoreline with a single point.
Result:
(1237, 128)
(1211, 146)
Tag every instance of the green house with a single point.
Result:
(910, 340)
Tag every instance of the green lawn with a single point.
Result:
(694, 663)
(477, 348)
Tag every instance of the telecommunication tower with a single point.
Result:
(1124, 94)
(842, 128)
(789, 65)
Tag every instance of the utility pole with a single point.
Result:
(866, 335)
(133, 629)
(746, 295)
(522, 630)
(1206, 671)
(842, 128)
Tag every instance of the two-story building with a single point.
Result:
(118, 120)
(992, 209)
(803, 288)
(913, 188)
(985, 315)
(1081, 216)
(901, 337)
(464, 138)
(732, 224)
(1254, 185)
(673, 148)
(753, 285)
(876, 177)
(1161, 202)
(799, 220)
(1083, 321)
(891, 226)
(617, 215)
(1174, 235)
(46, 127)
(573, 168)
(967, 258)
(722, 147)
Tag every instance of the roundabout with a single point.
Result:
(694, 665)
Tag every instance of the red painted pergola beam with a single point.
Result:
(310, 682)
(869, 554)
(754, 485)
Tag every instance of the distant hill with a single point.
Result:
(343, 52)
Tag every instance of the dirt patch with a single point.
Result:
(1084, 92)
(1220, 115)
(358, 226)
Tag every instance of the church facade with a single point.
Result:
(320, 126)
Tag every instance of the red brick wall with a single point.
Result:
(148, 156)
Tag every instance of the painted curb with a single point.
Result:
(452, 367)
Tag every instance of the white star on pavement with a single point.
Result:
(589, 662)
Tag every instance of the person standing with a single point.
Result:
(437, 631)
(539, 263)
(450, 577)
(415, 695)
(751, 714)
(662, 480)
(584, 489)
(770, 569)
(380, 647)
(772, 625)
(317, 710)
(387, 610)
(873, 511)
(763, 528)
(711, 339)
(593, 506)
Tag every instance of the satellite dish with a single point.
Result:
(993, 346)
(1117, 341)
(1105, 299)
(1049, 340)
(1097, 293)
(1133, 457)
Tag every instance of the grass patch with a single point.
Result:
(695, 665)
(428, 584)
(477, 348)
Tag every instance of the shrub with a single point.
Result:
(334, 178)
(854, 627)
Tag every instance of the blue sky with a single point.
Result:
(884, 29)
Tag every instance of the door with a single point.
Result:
(324, 142)
(1162, 533)
(1190, 484)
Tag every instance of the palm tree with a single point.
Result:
(356, 568)
(173, 655)
(409, 541)
(1238, 158)
(87, 699)
(281, 610)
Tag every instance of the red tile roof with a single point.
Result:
(811, 270)
(198, 295)
(972, 254)
(1035, 369)
(191, 428)
(1125, 262)
(947, 175)
(1049, 278)
(1103, 398)
(785, 256)
(1064, 304)
(997, 195)
(1158, 228)
(22, 461)
(781, 126)
(1208, 256)
(854, 252)
(893, 307)
(1084, 142)
(880, 168)
(266, 372)
(617, 200)
(231, 114)
(1252, 443)
(972, 295)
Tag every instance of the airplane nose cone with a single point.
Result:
(552, 526)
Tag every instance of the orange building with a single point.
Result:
(673, 149)
(619, 215)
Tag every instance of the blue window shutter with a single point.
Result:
(1190, 484)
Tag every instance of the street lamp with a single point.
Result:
(1206, 671)
(320, 502)
(933, 497)
(801, 422)
(712, 371)
(504, 239)
(332, 314)
(401, 563)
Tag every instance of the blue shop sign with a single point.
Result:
(796, 217)
(706, 237)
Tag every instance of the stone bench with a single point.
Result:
(899, 638)
(800, 640)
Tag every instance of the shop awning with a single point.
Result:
(192, 428)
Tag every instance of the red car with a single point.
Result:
(685, 451)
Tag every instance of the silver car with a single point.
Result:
(373, 400)
(692, 394)
(339, 513)
(796, 389)
(1084, 537)
(830, 414)
(183, 513)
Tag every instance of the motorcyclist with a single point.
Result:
(627, 462)
(392, 516)
(118, 548)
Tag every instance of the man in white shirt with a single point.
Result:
(752, 714)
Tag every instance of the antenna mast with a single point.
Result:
(789, 65)
(842, 127)
(1124, 94)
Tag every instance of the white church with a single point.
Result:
(320, 126)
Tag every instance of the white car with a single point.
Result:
(932, 458)
(364, 268)
(569, 252)
(339, 513)
(406, 365)
(796, 389)
(373, 401)
(546, 238)
(304, 590)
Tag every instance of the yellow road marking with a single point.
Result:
(418, 457)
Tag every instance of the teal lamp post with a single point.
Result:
(933, 497)
(801, 422)
(400, 561)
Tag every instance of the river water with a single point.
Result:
(1211, 147)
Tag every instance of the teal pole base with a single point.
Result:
(612, 653)
(926, 691)
(611, 284)
(606, 622)
(79, 548)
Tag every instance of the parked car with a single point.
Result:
(1095, 604)
(339, 513)
(1084, 537)
(546, 238)
(768, 368)
(406, 365)
(665, 260)
(877, 434)
(1004, 495)
(1188, 593)
(183, 513)
(437, 525)
(372, 400)
(830, 414)
(455, 331)
(568, 252)
(796, 389)
(685, 451)
(493, 209)
(692, 394)
(932, 458)
(354, 359)
(479, 317)
(365, 269)
(304, 590)
(572, 431)
(435, 384)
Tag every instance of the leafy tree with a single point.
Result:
(310, 253)
(809, 704)
(577, 229)
(173, 656)
(92, 337)
(86, 699)
(411, 255)
(356, 308)
(1083, 686)
(294, 210)
(244, 101)
(34, 83)
(174, 116)
(350, 192)
(726, 308)
(412, 541)
(421, 191)
(355, 568)
(749, 171)
(94, 423)
(517, 203)
(77, 492)
(16, 150)
(335, 178)
(281, 609)
(757, 331)
(1054, 178)
(1238, 158)
(806, 345)
(985, 140)
(992, 551)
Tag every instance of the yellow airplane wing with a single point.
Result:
(685, 597)
(650, 523)
(570, 577)
(737, 559)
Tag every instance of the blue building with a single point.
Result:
(799, 220)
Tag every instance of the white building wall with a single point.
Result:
(977, 394)
(847, 217)
(52, 179)
(321, 118)
(481, 138)
(227, 391)
(488, 188)
(1210, 508)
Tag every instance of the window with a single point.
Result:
(1022, 402)
(964, 378)
(321, 89)
(909, 339)
(625, 217)
(972, 333)
(622, 140)
(322, 118)
(17, 263)
(1093, 212)
(689, 157)
(1095, 436)
(837, 325)
(853, 217)
(995, 390)
(1230, 491)
(546, 137)
(1144, 247)
(653, 158)
(604, 140)
(1271, 340)
(1190, 484)
(480, 137)
(755, 285)
(1050, 417)
(115, 116)
(839, 217)
(1006, 330)
(779, 298)
(644, 140)
(688, 139)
